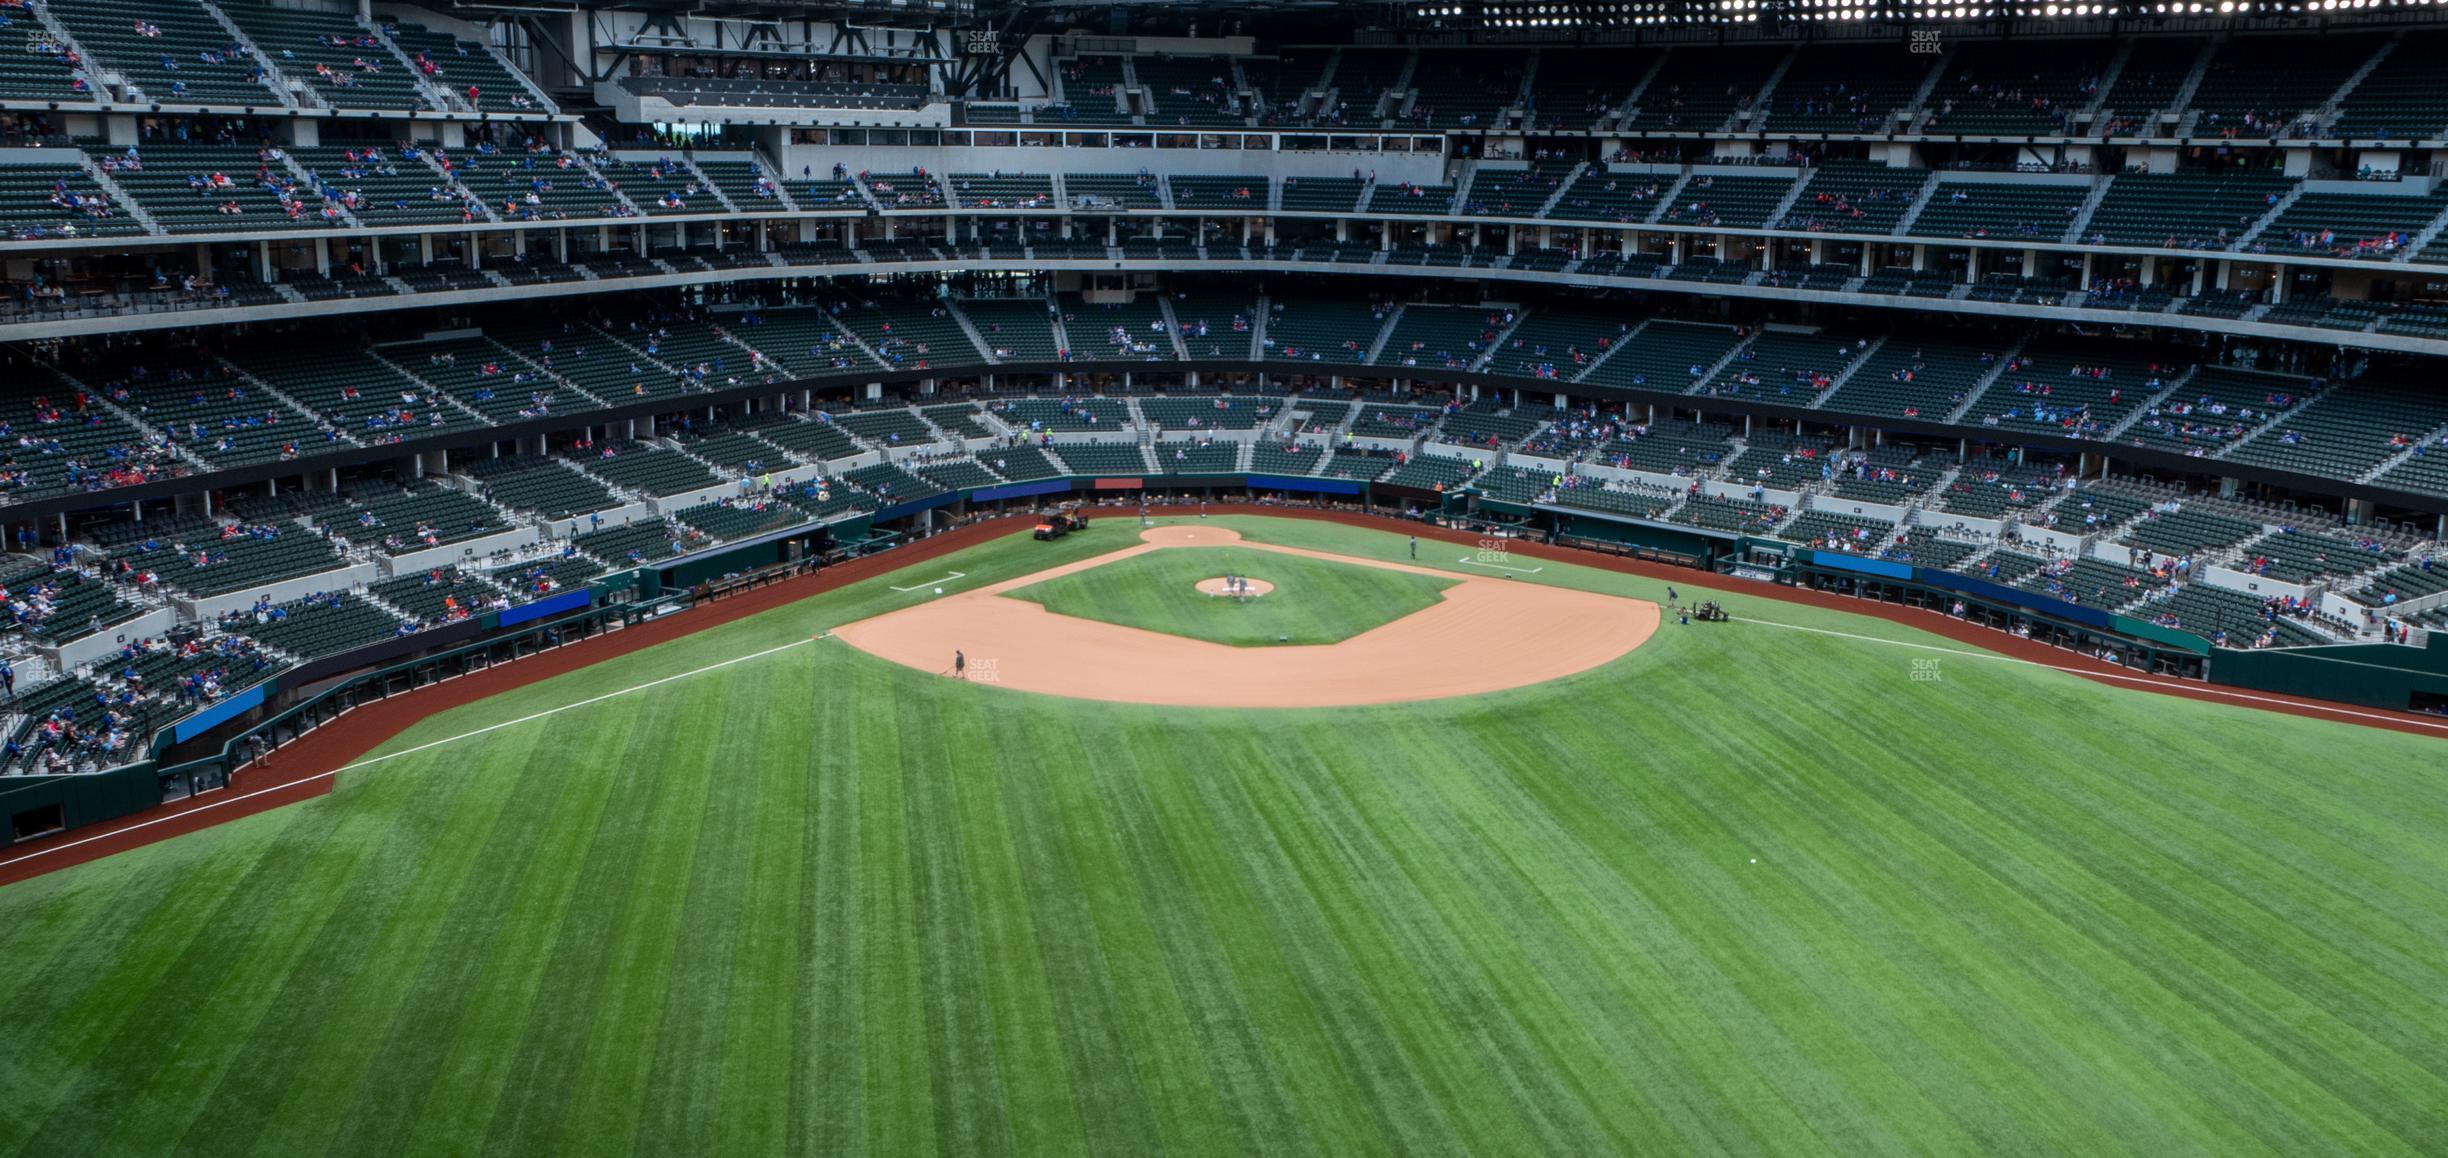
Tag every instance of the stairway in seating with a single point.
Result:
(1860, 359)
(135, 209)
(2082, 213)
(1981, 387)
(273, 77)
(1164, 305)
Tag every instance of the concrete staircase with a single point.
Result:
(1640, 88)
(2429, 440)
(1767, 92)
(425, 158)
(57, 31)
(1496, 347)
(767, 169)
(442, 396)
(968, 327)
(2423, 239)
(1709, 373)
(2171, 390)
(278, 81)
(2329, 108)
(1611, 351)
(707, 183)
(2192, 84)
(436, 95)
(299, 171)
(1400, 94)
(2263, 222)
(2095, 107)
(135, 209)
(1851, 368)
(1793, 196)
(1164, 306)
(1921, 200)
(1384, 331)
(1667, 199)
(2082, 214)
(1917, 109)
(274, 392)
(1973, 396)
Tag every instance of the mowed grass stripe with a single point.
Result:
(1987, 1059)
(1542, 879)
(2368, 969)
(1438, 1037)
(471, 866)
(829, 1046)
(969, 1097)
(1251, 1095)
(2113, 962)
(1181, 1095)
(1578, 1095)
(1042, 1106)
(573, 1085)
(150, 1084)
(1326, 1010)
(310, 1044)
(2196, 942)
(1117, 1109)
(753, 1062)
(136, 944)
(2072, 935)
(511, 1072)
(897, 1086)
(609, 1077)
(681, 1091)
(1480, 978)
(1275, 1051)
(489, 918)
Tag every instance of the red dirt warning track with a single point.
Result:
(1518, 634)
(299, 771)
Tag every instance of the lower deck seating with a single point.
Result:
(318, 625)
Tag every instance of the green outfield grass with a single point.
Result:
(1747, 890)
(1314, 601)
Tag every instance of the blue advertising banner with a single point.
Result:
(566, 601)
(228, 709)
(1329, 486)
(1021, 490)
(1839, 561)
(2044, 604)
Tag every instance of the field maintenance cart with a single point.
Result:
(1061, 521)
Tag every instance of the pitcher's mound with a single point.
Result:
(1248, 587)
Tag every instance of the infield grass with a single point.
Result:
(820, 903)
(1314, 601)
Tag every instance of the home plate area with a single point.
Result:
(1474, 634)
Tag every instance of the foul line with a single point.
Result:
(931, 582)
(373, 760)
(2175, 687)
(1501, 567)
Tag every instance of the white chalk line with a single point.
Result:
(370, 761)
(2185, 688)
(931, 582)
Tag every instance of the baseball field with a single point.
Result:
(1808, 882)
